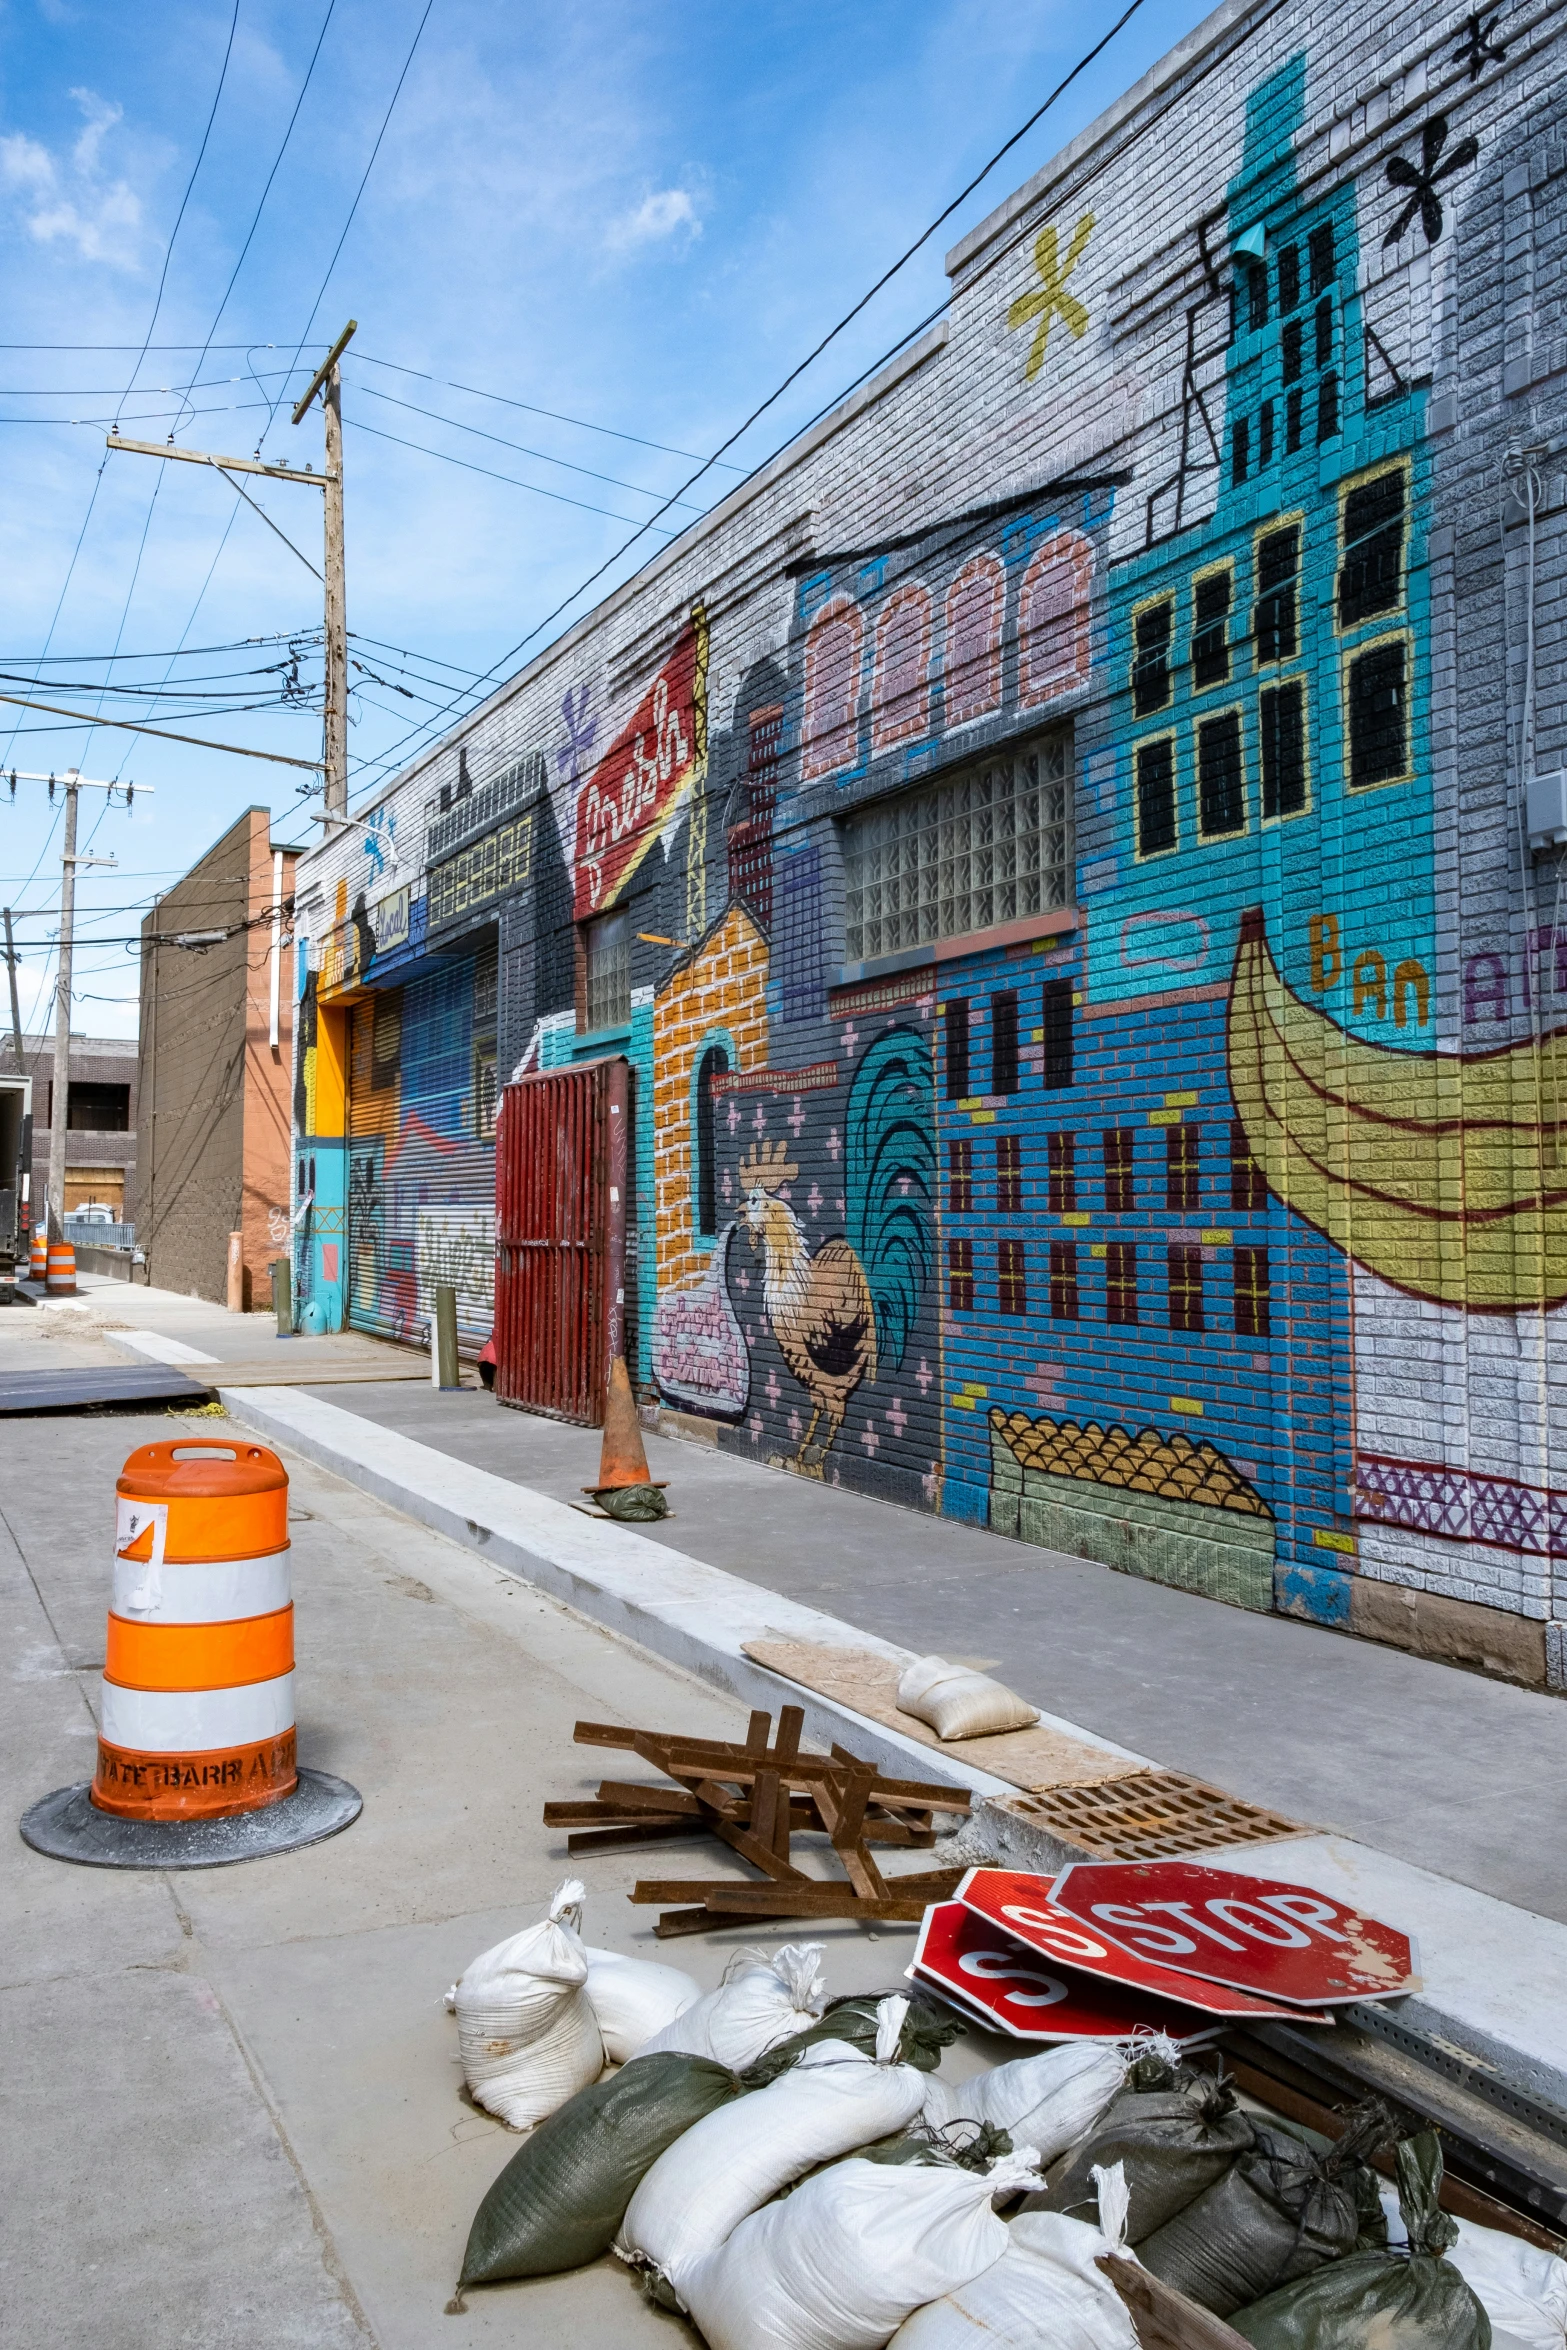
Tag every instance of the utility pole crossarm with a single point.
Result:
(327, 367)
(312, 481)
(328, 381)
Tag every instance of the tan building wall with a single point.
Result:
(719, 996)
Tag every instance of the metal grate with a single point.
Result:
(1150, 1815)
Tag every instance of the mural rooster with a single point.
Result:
(846, 1314)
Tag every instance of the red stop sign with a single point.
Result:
(1005, 1986)
(1021, 1905)
(1260, 1934)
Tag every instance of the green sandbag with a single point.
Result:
(1279, 2211)
(924, 2035)
(564, 2192)
(1175, 2141)
(1381, 2300)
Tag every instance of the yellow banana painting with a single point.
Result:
(1444, 1173)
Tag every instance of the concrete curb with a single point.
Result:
(1492, 1973)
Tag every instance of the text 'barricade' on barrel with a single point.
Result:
(198, 1684)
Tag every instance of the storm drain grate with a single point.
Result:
(1151, 1815)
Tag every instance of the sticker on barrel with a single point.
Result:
(1262, 1935)
(1021, 1904)
(1002, 1985)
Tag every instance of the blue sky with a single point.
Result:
(637, 217)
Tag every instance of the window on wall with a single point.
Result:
(954, 1024)
(1248, 1187)
(1062, 1149)
(606, 947)
(1322, 331)
(714, 1063)
(1151, 657)
(1275, 621)
(960, 1276)
(1120, 1172)
(1054, 602)
(1327, 408)
(1211, 629)
(1009, 1175)
(960, 1178)
(833, 653)
(1063, 1281)
(1003, 1041)
(992, 844)
(1282, 723)
(1182, 1166)
(900, 694)
(1319, 250)
(1289, 279)
(1185, 1277)
(1012, 1278)
(1265, 435)
(1257, 298)
(98, 1109)
(1156, 796)
(1121, 1282)
(1221, 781)
(1294, 411)
(976, 605)
(1378, 715)
(1240, 449)
(1371, 568)
(1059, 1005)
(1252, 1319)
(1292, 348)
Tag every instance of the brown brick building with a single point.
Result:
(100, 1136)
(216, 1065)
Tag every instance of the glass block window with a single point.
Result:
(990, 845)
(607, 950)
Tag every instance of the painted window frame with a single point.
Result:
(1224, 569)
(715, 1040)
(959, 706)
(1375, 642)
(839, 610)
(1164, 598)
(1141, 743)
(888, 728)
(1039, 686)
(1278, 681)
(1293, 518)
(1375, 623)
(1237, 710)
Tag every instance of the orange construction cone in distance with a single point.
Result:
(623, 1468)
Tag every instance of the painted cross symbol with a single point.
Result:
(1477, 50)
(796, 1119)
(759, 1119)
(851, 1037)
(1050, 296)
(1424, 179)
(734, 1117)
(832, 1144)
(774, 1391)
(813, 1199)
(897, 1418)
(924, 1375)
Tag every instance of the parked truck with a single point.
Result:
(16, 1160)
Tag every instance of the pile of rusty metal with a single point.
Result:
(755, 1797)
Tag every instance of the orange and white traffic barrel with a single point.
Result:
(198, 1685)
(60, 1278)
(38, 1256)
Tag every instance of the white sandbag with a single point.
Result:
(527, 2034)
(632, 1998)
(763, 1998)
(1044, 2289)
(840, 2263)
(958, 1703)
(1522, 2290)
(1051, 2100)
(733, 2161)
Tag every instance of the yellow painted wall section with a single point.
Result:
(331, 1070)
(723, 986)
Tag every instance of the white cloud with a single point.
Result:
(661, 213)
(67, 199)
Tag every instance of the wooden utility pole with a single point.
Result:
(328, 381)
(16, 1014)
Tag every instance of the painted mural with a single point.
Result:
(1059, 1088)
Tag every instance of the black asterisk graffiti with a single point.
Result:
(1426, 177)
(1477, 50)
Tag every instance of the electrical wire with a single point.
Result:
(365, 359)
(354, 207)
(558, 496)
(613, 479)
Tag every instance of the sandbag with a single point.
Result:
(1044, 2290)
(764, 1997)
(1522, 2290)
(835, 2099)
(1280, 2211)
(560, 2198)
(840, 2264)
(1395, 2300)
(956, 1702)
(1050, 2100)
(633, 1998)
(526, 2032)
(1175, 2137)
(854, 2017)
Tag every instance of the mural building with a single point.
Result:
(1071, 852)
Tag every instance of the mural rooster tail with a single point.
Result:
(847, 1313)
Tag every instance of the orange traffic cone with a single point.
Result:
(625, 1488)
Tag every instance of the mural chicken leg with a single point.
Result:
(844, 1315)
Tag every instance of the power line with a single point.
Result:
(527, 406)
(455, 424)
(490, 474)
(813, 355)
(359, 191)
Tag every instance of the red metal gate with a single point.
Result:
(560, 1227)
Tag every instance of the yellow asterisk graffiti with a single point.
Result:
(1050, 295)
